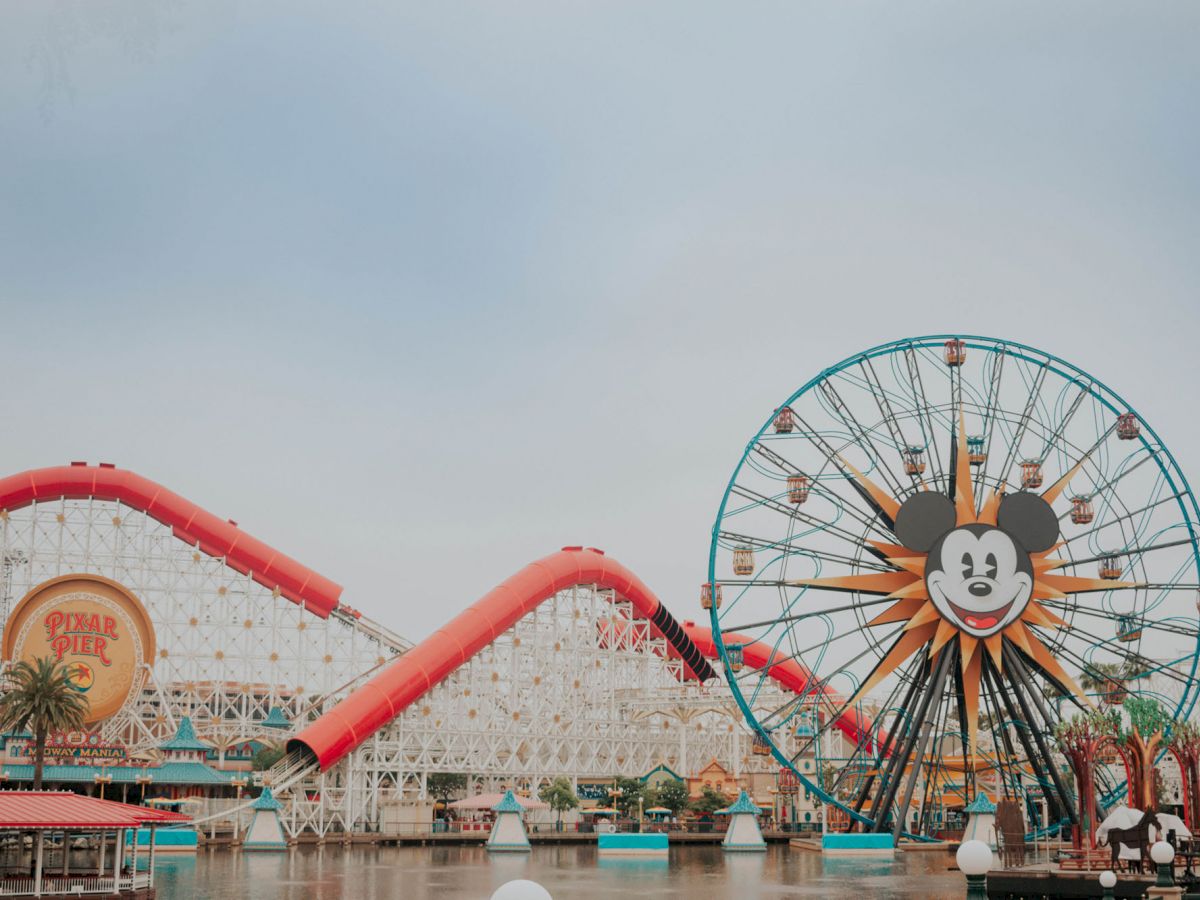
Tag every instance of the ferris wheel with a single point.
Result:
(944, 545)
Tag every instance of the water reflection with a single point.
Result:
(568, 871)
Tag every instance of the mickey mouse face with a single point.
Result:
(979, 577)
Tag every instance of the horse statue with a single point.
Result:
(1135, 838)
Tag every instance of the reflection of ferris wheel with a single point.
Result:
(944, 542)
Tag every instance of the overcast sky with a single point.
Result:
(420, 292)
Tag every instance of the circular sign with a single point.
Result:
(94, 626)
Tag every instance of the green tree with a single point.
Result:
(265, 757)
(444, 785)
(672, 795)
(628, 792)
(709, 801)
(40, 697)
(560, 795)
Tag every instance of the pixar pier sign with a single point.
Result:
(81, 634)
(94, 626)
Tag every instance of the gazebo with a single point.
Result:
(58, 866)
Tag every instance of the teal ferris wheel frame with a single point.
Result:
(1173, 486)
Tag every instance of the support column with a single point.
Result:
(103, 848)
(133, 858)
(37, 866)
(153, 831)
(118, 852)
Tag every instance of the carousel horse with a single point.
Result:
(1135, 838)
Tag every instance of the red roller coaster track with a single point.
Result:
(191, 524)
(406, 680)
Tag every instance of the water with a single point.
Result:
(567, 871)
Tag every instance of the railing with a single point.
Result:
(56, 885)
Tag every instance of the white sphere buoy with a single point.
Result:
(521, 889)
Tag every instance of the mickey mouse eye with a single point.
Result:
(990, 562)
(968, 566)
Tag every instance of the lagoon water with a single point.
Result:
(567, 871)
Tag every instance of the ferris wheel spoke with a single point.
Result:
(917, 668)
(918, 386)
(1108, 617)
(880, 520)
(882, 402)
(1014, 446)
(765, 502)
(1030, 736)
(989, 426)
(1125, 517)
(796, 617)
(735, 538)
(1130, 553)
(860, 435)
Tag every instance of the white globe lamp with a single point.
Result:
(1163, 855)
(521, 889)
(1108, 881)
(975, 860)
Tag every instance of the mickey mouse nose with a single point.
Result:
(979, 588)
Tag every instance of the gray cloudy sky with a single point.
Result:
(420, 292)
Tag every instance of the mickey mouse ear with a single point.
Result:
(1029, 519)
(923, 518)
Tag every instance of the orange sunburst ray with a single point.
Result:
(1018, 634)
(1037, 614)
(916, 589)
(968, 645)
(945, 632)
(991, 507)
(885, 501)
(899, 611)
(1043, 657)
(907, 644)
(1053, 492)
(972, 673)
(924, 615)
(890, 550)
(914, 564)
(995, 648)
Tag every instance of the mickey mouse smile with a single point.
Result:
(980, 577)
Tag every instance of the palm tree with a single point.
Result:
(1107, 679)
(41, 698)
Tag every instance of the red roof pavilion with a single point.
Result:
(52, 810)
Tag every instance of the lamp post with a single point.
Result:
(1163, 855)
(1108, 881)
(975, 859)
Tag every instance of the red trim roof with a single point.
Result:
(59, 809)
(190, 523)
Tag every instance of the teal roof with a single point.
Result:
(508, 803)
(185, 738)
(981, 804)
(266, 800)
(743, 804)
(276, 719)
(167, 773)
